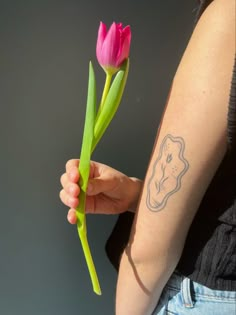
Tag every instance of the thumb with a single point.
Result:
(98, 185)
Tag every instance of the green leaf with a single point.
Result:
(84, 165)
(84, 169)
(111, 103)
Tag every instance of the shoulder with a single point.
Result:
(221, 13)
(211, 49)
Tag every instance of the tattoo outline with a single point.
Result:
(167, 173)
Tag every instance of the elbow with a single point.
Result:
(163, 257)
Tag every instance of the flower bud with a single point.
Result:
(113, 46)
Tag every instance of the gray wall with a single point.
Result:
(45, 47)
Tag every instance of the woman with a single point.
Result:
(180, 258)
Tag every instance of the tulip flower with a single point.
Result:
(112, 53)
(112, 50)
(113, 46)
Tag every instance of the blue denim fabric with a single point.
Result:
(182, 296)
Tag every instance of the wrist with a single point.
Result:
(136, 185)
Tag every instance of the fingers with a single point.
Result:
(68, 200)
(69, 193)
(106, 182)
(70, 188)
(96, 186)
(72, 163)
(71, 216)
(73, 174)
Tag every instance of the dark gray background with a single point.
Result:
(45, 47)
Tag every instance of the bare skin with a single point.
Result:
(168, 170)
(109, 191)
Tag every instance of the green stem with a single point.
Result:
(82, 230)
(84, 167)
(90, 264)
(105, 92)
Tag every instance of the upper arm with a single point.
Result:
(192, 139)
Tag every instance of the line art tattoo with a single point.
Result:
(167, 172)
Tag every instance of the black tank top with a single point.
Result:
(209, 255)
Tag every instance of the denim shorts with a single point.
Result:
(182, 296)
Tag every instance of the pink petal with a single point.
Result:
(110, 46)
(119, 25)
(102, 32)
(124, 46)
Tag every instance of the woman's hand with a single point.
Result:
(109, 191)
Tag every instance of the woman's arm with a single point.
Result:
(189, 148)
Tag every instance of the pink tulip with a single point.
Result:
(113, 46)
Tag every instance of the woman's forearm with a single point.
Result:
(140, 283)
(187, 153)
(136, 192)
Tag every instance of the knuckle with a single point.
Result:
(70, 163)
(73, 189)
(62, 179)
(71, 201)
(61, 195)
(65, 198)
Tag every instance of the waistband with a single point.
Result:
(192, 291)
